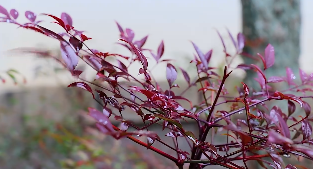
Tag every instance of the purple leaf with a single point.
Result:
(276, 138)
(200, 55)
(241, 42)
(232, 39)
(30, 16)
(82, 85)
(160, 51)
(304, 77)
(4, 12)
(290, 76)
(222, 40)
(291, 108)
(307, 108)
(66, 18)
(130, 34)
(171, 74)
(121, 65)
(289, 166)
(245, 67)
(94, 61)
(76, 43)
(141, 42)
(139, 54)
(275, 79)
(306, 129)
(69, 56)
(275, 115)
(14, 13)
(101, 119)
(208, 56)
(186, 76)
(269, 56)
(119, 28)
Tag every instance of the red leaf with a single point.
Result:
(82, 85)
(160, 51)
(14, 13)
(121, 65)
(291, 107)
(84, 37)
(269, 56)
(51, 34)
(59, 21)
(171, 74)
(306, 129)
(69, 56)
(200, 55)
(186, 76)
(241, 42)
(290, 76)
(30, 16)
(4, 12)
(76, 43)
(66, 18)
(139, 54)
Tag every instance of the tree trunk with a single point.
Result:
(277, 22)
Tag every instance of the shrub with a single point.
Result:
(265, 135)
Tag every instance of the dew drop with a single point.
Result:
(240, 112)
(286, 155)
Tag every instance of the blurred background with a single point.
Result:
(43, 124)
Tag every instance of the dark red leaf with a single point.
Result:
(306, 129)
(121, 65)
(51, 34)
(307, 108)
(246, 89)
(66, 18)
(76, 43)
(240, 41)
(160, 51)
(171, 74)
(186, 76)
(245, 67)
(59, 21)
(269, 56)
(291, 107)
(290, 76)
(82, 85)
(69, 56)
(4, 12)
(30, 16)
(200, 55)
(139, 54)
(14, 13)
(275, 79)
(202, 79)
(263, 60)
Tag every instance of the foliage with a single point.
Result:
(265, 135)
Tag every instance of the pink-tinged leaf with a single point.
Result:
(290, 76)
(200, 55)
(82, 85)
(276, 138)
(260, 71)
(275, 114)
(119, 28)
(275, 79)
(306, 129)
(240, 41)
(306, 150)
(269, 56)
(289, 166)
(139, 54)
(76, 43)
(222, 40)
(171, 74)
(141, 42)
(69, 56)
(30, 16)
(263, 60)
(52, 34)
(14, 13)
(130, 34)
(67, 19)
(101, 119)
(291, 107)
(94, 61)
(4, 12)
(244, 67)
(304, 77)
(186, 76)
(160, 51)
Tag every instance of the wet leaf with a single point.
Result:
(303, 76)
(290, 76)
(306, 129)
(14, 13)
(30, 16)
(82, 85)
